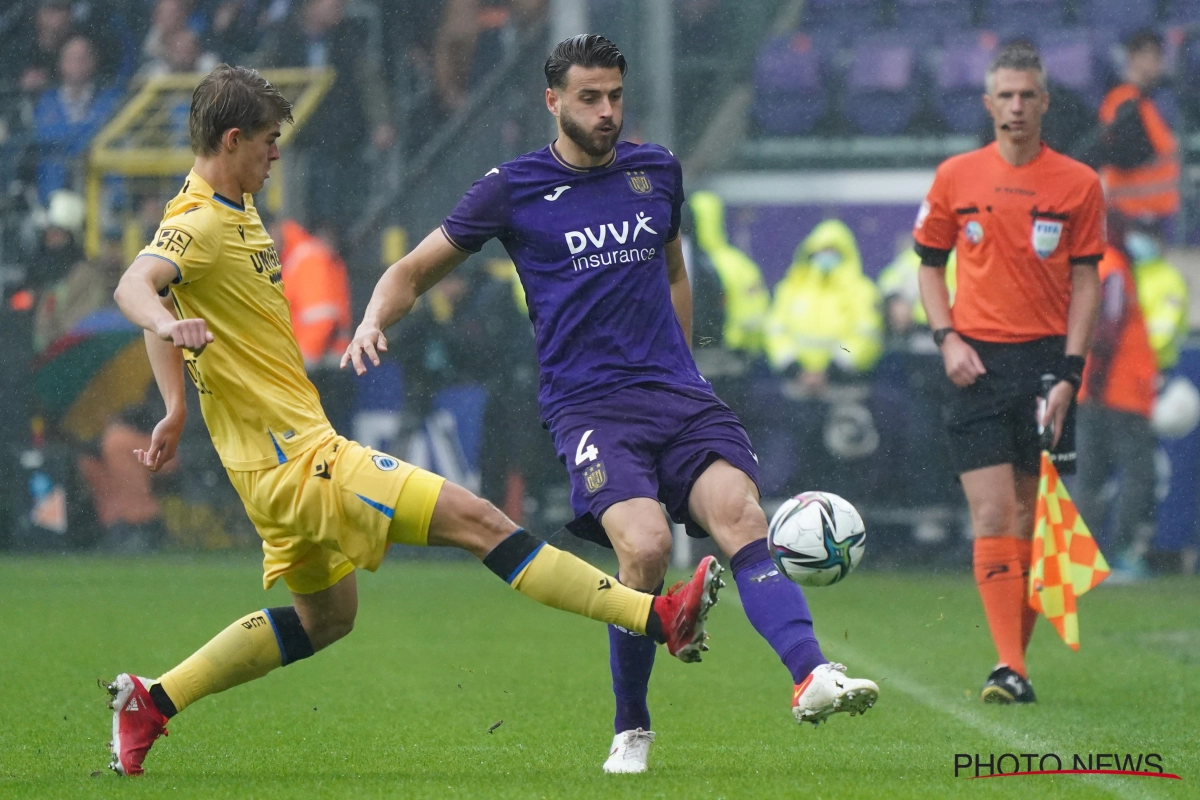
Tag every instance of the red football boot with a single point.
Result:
(684, 608)
(137, 722)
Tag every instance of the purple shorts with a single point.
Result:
(650, 441)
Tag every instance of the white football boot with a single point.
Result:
(630, 749)
(827, 690)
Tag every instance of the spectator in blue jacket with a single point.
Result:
(68, 115)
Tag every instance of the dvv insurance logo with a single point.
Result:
(1019, 765)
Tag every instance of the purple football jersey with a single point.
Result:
(589, 248)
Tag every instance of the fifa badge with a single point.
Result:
(1046, 233)
(594, 477)
(638, 182)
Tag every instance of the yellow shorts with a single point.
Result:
(333, 508)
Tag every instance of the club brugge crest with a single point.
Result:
(595, 477)
(385, 463)
(638, 182)
(1046, 233)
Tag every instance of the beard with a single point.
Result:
(596, 144)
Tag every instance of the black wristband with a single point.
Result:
(940, 335)
(1072, 370)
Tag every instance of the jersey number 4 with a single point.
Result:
(582, 454)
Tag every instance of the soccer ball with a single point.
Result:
(816, 538)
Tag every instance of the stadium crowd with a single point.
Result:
(831, 368)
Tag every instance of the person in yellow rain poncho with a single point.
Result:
(1162, 294)
(746, 296)
(906, 319)
(825, 329)
(825, 312)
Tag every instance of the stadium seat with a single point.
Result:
(1121, 16)
(880, 84)
(841, 16)
(789, 91)
(933, 15)
(1072, 58)
(1028, 15)
(959, 80)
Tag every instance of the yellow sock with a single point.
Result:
(560, 580)
(246, 650)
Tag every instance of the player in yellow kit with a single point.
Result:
(209, 295)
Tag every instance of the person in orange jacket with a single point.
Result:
(317, 288)
(1136, 153)
(1117, 397)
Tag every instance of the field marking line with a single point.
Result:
(931, 698)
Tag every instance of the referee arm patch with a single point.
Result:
(932, 256)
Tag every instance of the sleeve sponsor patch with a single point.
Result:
(173, 240)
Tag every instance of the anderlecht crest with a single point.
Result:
(594, 477)
(639, 182)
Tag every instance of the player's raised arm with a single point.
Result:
(396, 293)
(138, 297)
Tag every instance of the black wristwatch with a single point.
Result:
(940, 335)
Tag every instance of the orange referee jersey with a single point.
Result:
(1016, 231)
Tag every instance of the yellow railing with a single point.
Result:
(148, 137)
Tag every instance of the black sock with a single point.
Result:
(294, 643)
(162, 701)
(508, 558)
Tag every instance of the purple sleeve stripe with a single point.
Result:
(458, 246)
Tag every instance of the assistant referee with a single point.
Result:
(1028, 227)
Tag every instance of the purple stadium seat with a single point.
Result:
(1071, 59)
(790, 93)
(1122, 16)
(959, 82)
(842, 16)
(1030, 15)
(933, 15)
(880, 93)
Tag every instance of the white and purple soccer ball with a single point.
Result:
(816, 538)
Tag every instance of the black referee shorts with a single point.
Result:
(994, 420)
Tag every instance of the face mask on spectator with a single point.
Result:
(825, 260)
(1141, 246)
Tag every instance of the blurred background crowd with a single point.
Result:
(808, 129)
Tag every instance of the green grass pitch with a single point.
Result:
(443, 651)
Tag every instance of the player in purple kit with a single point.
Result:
(592, 224)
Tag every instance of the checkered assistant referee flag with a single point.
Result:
(1066, 560)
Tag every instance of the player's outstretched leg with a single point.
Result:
(725, 502)
(248, 649)
(560, 580)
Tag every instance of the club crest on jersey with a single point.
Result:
(385, 463)
(1045, 236)
(638, 182)
(594, 477)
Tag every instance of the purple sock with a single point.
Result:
(777, 609)
(631, 657)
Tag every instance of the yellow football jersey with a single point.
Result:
(259, 404)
